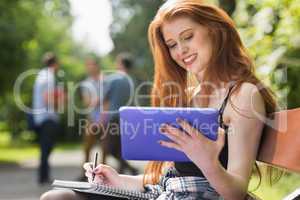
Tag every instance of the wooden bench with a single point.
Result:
(280, 145)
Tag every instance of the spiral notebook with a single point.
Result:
(105, 190)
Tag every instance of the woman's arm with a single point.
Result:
(246, 123)
(243, 141)
(133, 182)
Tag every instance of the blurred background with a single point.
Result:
(75, 29)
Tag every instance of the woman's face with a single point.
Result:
(188, 42)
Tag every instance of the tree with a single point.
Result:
(17, 25)
(129, 33)
(29, 28)
(270, 31)
(129, 30)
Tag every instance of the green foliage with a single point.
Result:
(29, 28)
(129, 31)
(17, 25)
(10, 151)
(270, 30)
(287, 184)
(18, 151)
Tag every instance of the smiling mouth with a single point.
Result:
(189, 60)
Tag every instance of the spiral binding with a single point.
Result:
(130, 194)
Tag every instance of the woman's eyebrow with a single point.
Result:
(186, 30)
(180, 34)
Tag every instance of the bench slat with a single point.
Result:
(280, 145)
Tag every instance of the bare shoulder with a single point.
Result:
(246, 89)
(246, 93)
(248, 99)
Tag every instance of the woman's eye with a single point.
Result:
(171, 46)
(188, 37)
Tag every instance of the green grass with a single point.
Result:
(287, 184)
(16, 154)
(17, 151)
(13, 152)
(67, 146)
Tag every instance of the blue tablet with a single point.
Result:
(139, 128)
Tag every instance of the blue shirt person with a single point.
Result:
(93, 90)
(46, 96)
(120, 92)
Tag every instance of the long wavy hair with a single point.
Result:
(229, 62)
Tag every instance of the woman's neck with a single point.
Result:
(199, 76)
(216, 95)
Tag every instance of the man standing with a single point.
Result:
(46, 99)
(92, 92)
(120, 93)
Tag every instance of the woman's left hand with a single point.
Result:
(203, 151)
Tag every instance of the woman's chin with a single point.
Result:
(197, 72)
(192, 69)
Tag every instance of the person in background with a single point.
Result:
(92, 92)
(120, 91)
(47, 97)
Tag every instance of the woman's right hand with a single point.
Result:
(104, 174)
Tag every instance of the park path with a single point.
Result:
(18, 182)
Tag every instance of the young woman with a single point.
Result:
(190, 37)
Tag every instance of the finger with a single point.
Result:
(89, 170)
(90, 180)
(174, 134)
(189, 129)
(88, 165)
(173, 138)
(170, 145)
(221, 136)
(98, 179)
(221, 130)
(101, 169)
(88, 174)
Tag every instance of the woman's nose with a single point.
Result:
(183, 49)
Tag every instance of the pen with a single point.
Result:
(95, 165)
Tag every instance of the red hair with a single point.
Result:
(229, 61)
